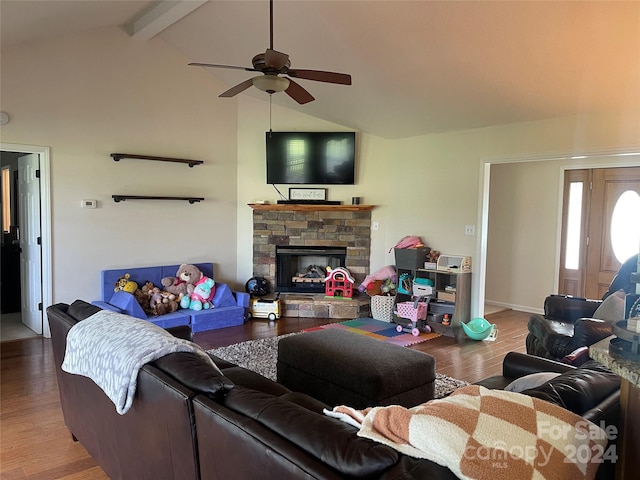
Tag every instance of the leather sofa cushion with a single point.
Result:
(193, 372)
(578, 390)
(221, 363)
(249, 379)
(329, 440)
(568, 308)
(80, 310)
(306, 401)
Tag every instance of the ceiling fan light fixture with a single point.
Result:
(270, 83)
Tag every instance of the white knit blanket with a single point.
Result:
(110, 348)
(487, 434)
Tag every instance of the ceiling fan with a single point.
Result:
(272, 64)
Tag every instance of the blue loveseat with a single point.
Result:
(229, 308)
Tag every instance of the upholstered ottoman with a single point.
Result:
(340, 367)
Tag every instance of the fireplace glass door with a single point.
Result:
(302, 269)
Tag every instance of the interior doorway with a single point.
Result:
(623, 157)
(31, 239)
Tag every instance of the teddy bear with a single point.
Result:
(200, 297)
(162, 302)
(143, 298)
(155, 298)
(182, 283)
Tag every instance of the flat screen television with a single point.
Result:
(320, 158)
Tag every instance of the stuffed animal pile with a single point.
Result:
(154, 301)
(194, 289)
(380, 282)
(190, 288)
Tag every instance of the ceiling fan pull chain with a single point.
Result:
(270, 129)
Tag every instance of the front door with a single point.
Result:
(614, 226)
(601, 228)
(30, 241)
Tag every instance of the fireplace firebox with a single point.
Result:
(302, 268)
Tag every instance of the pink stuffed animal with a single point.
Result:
(386, 272)
(201, 296)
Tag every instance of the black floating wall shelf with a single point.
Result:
(117, 156)
(122, 198)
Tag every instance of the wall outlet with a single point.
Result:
(375, 226)
(469, 230)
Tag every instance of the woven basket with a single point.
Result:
(382, 307)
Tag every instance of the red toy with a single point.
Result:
(339, 283)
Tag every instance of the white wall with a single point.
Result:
(523, 219)
(90, 95)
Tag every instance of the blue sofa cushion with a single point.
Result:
(128, 304)
(214, 318)
(223, 296)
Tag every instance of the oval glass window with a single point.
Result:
(625, 227)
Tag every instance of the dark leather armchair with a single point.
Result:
(568, 323)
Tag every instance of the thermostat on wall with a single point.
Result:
(89, 203)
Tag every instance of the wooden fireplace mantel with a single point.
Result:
(287, 207)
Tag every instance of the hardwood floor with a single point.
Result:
(35, 444)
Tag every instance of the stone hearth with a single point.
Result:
(347, 226)
(318, 306)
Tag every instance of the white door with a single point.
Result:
(30, 248)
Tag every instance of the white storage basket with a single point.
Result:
(382, 307)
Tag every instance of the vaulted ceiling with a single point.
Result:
(417, 67)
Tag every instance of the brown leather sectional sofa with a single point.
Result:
(188, 422)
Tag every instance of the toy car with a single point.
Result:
(264, 308)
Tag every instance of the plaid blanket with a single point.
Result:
(110, 348)
(479, 433)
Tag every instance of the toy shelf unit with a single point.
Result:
(449, 302)
(410, 306)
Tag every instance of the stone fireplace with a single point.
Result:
(329, 229)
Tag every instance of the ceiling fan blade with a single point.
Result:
(275, 59)
(320, 76)
(213, 65)
(298, 93)
(241, 87)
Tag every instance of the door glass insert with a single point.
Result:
(574, 227)
(6, 199)
(625, 227)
